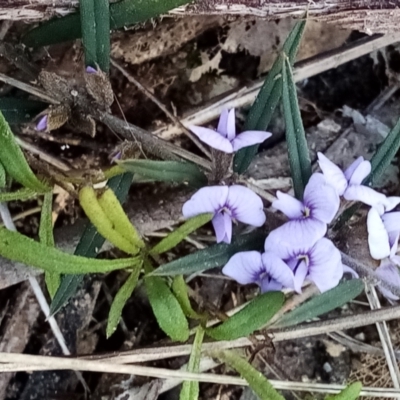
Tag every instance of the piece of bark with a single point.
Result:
(17, 327)
(368, 16)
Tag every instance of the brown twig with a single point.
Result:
(161, 106)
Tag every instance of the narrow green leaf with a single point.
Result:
(252, 317)
(323, 303)
(88, 27)
(211, 257)
(190, 389)
(116, 214)
(20, 194)
(14, 161)
(123, 295)
(384, 155)
(166, 171)
(3, 180)
(167, 309)
(351, 392)
(20, 248)
(122, 13)
(46, 224)
(103, 34)
(299, 157)
(179, 288)
(98, 217)
(17, 110)
(264, 106)
(175, 237)
(95, 26)
(256, 380)
(46, 237)
(88, 246)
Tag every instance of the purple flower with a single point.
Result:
(320, 263)
(349, 183)
(224, 138)
(91, 70)
(226, 203)
(267, 270)
(383, 234)
(42, 124)
(308, 218)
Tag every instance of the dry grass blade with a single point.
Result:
(30, 362)
(385, 338)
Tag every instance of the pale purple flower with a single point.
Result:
(42, 124)
(309, 217)
(91, 70)
(225, 138)
(227, 203)
(383, 234)
(349, 183)
(320, 263)
(266, 270)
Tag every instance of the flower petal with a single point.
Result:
(300, 275)
(222, 224)
(42, 124)
(364, 194)
(389, 273)
(249, 138)
(212, 138)
(294, 237)
(278, 270)
(245, 205)
(223, 123)
(245, 267)
(391, 202)
(288, 205)
(321, 198)
(230, 125)
(391, 221)
(268, 284)
(358, 171)
(325, 267)
(208, 199)
(378, 238)
(333, 174)
(91, 70)
(348, 270)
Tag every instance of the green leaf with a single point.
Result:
(17, 111)
(98, 217)
(166, 171)
(175, 237)
(17, 247)
(263, 108)
(14, 162)
(384, 155)
(213, 256)
(256, 380)
(190, 389)
(88, 246)
(95, 26)
(3, 180)
(179, 288)
(323, 303)
(351, 392)
(167, 309)
(20, 194)
(252, 317)
(122, 13)
(299, 157)
(123, 295)
(46, 237)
